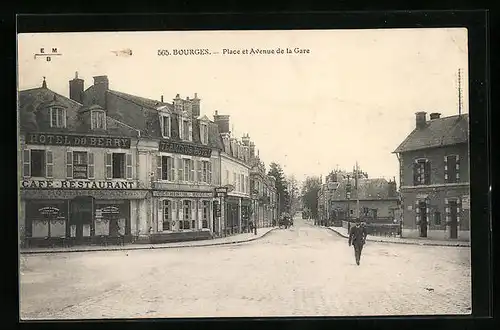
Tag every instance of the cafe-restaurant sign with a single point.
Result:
(77, 140)
(185, 149)
(74, 184)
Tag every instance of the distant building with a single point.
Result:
(434, 177)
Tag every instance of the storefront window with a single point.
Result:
(186, 214)
(206, 212)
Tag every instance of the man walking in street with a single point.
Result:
(357, 237)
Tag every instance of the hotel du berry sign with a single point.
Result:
(77, 140)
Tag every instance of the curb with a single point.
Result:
(407, 243)
(148, 247)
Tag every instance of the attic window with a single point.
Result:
(57, 117)
(98, 119)
(165, 125)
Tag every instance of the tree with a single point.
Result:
(293, 191)
(276, 171)
(310, 190)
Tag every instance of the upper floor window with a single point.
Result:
(98, 119)
(186, 170)
(79, 165)
(165, 125)
(118, 165)
(205, 171)
(165, 168)
(37, 163)
(57, 117)
(421, 172)
(451, 169)
(204, 133)
(185, 129)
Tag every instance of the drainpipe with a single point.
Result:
(138, 212)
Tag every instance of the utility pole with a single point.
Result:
(357, 192)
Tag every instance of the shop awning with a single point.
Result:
(72, 193)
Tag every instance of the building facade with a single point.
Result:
(378, 199)
(434, 178)
(79, 178)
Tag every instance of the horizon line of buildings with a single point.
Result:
(103, 163)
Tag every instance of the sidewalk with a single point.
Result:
(239, 238)
(416, 241)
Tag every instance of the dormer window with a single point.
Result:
(185, 129)
(97, 119)
(204, 133)
(165, 125)
(57, 117)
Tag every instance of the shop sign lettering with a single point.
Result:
(49, 210)
(74, 184)
(77, 140)
(185, 149)
(183, 194)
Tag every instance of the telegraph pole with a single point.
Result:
(357, 192)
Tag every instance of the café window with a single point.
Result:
(165, 168)
(57, 117)
(79, 165)
(98, 119)
(206, 213)
(421, 172)
(38, 163)
(165, 125)
(185, 222)
(118, 165)
(204, 133)
(167, 215)
(437, 218)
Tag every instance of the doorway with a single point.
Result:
(423, 218)
(81, 218)
(453, 219)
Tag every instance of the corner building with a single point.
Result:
(79, 180)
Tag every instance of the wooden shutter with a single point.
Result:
(180, 169)
(91, 171)
(416, 176)
(427, 172)
(128, 166)
(194, 205)
(191, 170)
(200, 214)
(209, 172)
(159, 174)
(199, 170)
(160, 216)
(173, 210)
(190, 131)
(26, 163)
(69, 164)
(109, 165)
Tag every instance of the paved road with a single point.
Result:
(301, 271)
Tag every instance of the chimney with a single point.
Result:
(102, 80)
(420, 119)
(44, 83)
(246, 140)
(392, 189)
(196, 105)
(76, 89)
(435, 115)
(222, 122)
(162, 99)
(252, 150)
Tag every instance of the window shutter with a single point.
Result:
(200, 214)
(159, 174)
(26, 163)
(172, 169)
(160, 216)
(128, 162)
(193, 205)
(91, 173)
(49, 164)
(190, 131)
(209, 172)
(180, 169)
(109, 165)
(191, 170)
(427, 172)
(416, 176)
(69, 164)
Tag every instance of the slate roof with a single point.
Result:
(151, 127)
(369, 189)
(437, 133)
(32, 103)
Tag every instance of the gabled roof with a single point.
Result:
(437, 133)
(142, 101)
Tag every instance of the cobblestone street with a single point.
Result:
(301, 271)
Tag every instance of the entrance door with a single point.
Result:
(423, 219)
(81, 216)
(453, 219)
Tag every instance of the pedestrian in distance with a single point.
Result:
(357, 238)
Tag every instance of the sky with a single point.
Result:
(352, 97)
